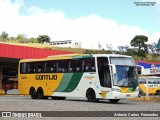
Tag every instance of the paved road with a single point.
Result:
(25, 103)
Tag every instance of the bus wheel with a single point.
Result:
(33, 93)
(40, 93)
(158, 92)
(114, 100)
(91, 95)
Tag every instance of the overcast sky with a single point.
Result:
(91, 22)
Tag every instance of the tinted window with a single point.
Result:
(76, 65)
(89, 65)
(51, 66)
(23, 68)
(63, 66)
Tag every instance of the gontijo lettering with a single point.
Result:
(46, 77)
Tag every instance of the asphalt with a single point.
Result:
(14, 92)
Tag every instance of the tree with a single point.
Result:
(158, 44)
(43, 38)
(4, 36)
(139, 41)
(32, 40)
(123, 49)
(153, 50)
(131, 52)
(110, 47)
(21, 38)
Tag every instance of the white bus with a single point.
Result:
(95, 77)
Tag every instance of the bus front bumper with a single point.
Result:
(119, 95)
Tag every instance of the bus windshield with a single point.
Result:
(126, 76)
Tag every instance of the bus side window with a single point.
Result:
(31, 68)
(89, 65)
(72, 66)
(23, 68)
(93, 69)
(78, 69)
(71, 70)
(40, 68)
(51, 69)
(76, 65)
(104, 72)
(88, 68)
(63, 66)
(51, 66)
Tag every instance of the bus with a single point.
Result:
(153, 85)
(92, 76)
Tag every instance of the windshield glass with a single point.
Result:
(126, 76)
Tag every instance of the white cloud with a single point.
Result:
(87, 29)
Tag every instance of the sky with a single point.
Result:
(91, 22)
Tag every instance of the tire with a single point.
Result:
(158, 92)
(33, 93)
(58, 98)
(40, 93)
(91, 96)
(114, 100)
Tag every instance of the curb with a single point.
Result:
(157, 99)
(12, 95)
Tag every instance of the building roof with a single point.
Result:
(23, 52)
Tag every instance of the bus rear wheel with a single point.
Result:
(91, 96)
(40, 94)
(33, 93)
(114, 100)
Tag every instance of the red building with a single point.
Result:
(10, 56)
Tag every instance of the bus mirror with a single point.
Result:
(140, 69)
(113, 69)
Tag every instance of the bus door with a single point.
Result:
(104, 72)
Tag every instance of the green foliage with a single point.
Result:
(32, 40)
(153, 50)
(158, 44)
(139, 41)
(131, 52)
(4, 36)
(97, 52)
(21, 38)
(43, 38)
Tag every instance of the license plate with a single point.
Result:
(128, 95)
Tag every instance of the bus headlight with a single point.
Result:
(115, 89)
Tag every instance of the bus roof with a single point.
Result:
(74, 56)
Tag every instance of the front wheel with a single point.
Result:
(158, 92)
(114, 100)
(91, 96)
